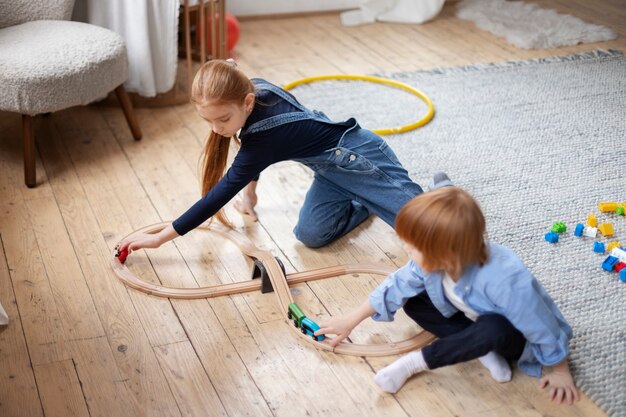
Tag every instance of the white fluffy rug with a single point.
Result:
(528, 26)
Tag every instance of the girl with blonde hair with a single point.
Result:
(356, 173)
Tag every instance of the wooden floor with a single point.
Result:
(80, 343)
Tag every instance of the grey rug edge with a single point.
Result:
(577, 56)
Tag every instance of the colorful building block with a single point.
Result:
(592, 220)
(619, 253)
(590, 231)
(607, 207)
(552, 237)
(578, 231)
(619, 210)
(558, 227)
(622, 275)
(598, 247)
(609, 263)
(606, 229)
(613, 245)
(619, 266)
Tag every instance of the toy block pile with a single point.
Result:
(616, 261)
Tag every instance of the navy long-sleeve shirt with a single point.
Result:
(299, 139)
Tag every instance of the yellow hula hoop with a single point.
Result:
(386, 131)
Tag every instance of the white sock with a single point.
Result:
(497, 365)
(392, 377)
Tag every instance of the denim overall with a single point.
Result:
(361, 175)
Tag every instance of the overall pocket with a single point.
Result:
(346, 160)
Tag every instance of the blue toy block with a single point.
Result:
(609, 263)
(598, 247)
(552, 237)
(578, 231)
(622, 275)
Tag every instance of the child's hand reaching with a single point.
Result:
(561, 384)
(248, 201)
(146, 240)
(342, 326)
(138, 241)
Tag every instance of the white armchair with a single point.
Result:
(48, 63)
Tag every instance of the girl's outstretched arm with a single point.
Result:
(144, 240)
(342, 326)
(561, 384)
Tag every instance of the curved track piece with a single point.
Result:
(281, 285)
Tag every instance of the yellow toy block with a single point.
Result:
(613, 245)
(606, 229)
(607, 207)
(592, 221)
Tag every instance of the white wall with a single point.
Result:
(261, 7)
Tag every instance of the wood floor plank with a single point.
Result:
(72, 297)
(237, 390)
(61, 391)
(40, 318)
(19, 396)
(42, 323)
(106, 391)
(192, 388)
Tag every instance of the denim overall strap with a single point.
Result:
(284, 118)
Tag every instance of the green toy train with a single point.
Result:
(305, 324)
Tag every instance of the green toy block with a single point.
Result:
(558, 227)
(619, 210)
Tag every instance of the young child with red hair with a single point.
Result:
(476, 296)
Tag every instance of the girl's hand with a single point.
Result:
(248, 201)
(139, 241)
(146, 240)
(340, 326)
(562, 387)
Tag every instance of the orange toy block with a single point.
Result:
(606, 229)
(613, 245)
(592, 221)
(607, 207)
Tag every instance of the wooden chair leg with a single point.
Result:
(188, 46)
(202, 25)
(28, 133)
(127, 107)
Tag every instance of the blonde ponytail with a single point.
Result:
(218, 82)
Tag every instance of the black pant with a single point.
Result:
(461, 339)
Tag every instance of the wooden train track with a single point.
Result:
(280, 283)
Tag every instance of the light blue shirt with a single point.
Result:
(502, 286)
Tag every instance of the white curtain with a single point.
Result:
(150, 29)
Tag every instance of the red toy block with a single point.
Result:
(619, 266)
